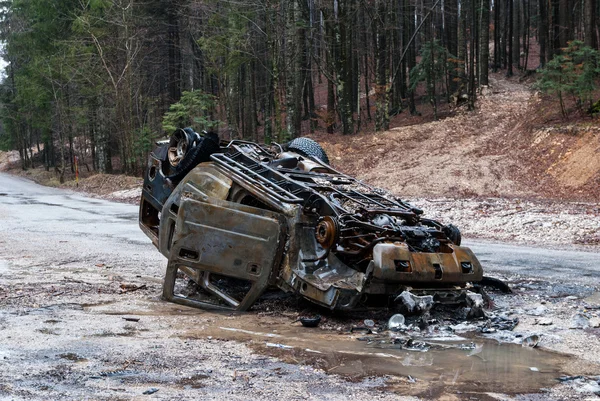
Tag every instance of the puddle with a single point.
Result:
(448, 363)
(503, 368)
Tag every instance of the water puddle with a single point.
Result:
(461, 363)
(413, 366)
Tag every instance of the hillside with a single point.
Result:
(504, 149)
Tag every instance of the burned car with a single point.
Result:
(238, 218)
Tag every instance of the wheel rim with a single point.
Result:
(178, 151)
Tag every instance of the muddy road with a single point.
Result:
(81, 318)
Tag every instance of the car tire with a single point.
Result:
(453, 234)
(200, 153)
(308, 147)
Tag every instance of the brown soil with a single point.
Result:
(503, 149)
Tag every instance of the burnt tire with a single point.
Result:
(453, 234)
(308, 147)
(208, 145)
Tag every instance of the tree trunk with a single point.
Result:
(509, 63)
(516, 34)
(543, 31)
(484, 48)
(472, 92)
(294, 72)
(382, 119)
(174, 61)
(590, 38)
(563, 22)
(343, 63)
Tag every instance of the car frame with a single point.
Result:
(239, 217)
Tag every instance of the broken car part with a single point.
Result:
(239, 217)
(310, 321)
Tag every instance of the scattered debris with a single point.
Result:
(413, 303)
(501, 322)
(564, 379)
(589, 387)
(310, 321)
(396, 322)
(496, 283)
(538, 311)
(131, 287)
(413, 345)
(276, 345)
(361, 328)
(531, 341)
(475, 304)
(579, 322)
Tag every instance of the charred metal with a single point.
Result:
(239, 217)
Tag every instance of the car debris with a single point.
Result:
(396, 322)
(307, 321)
(150, 391)
(240, 217)
(532, 341)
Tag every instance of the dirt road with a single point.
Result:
(81, 318)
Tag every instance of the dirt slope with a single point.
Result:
(501, 150)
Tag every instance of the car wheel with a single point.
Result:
(308, 147)
(199, 153)
(453, 234)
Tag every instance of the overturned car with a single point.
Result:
(240, 217)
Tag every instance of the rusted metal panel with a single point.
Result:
(396, 263)
(232, 240)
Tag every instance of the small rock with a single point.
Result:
(594, 322)
(539, 311)
(151, 390)
(546, 321)
(531, 341)
(579, 322)
(589, 387)
(463, 327)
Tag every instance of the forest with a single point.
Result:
(102, 80)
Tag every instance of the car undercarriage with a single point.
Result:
(238, 218)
